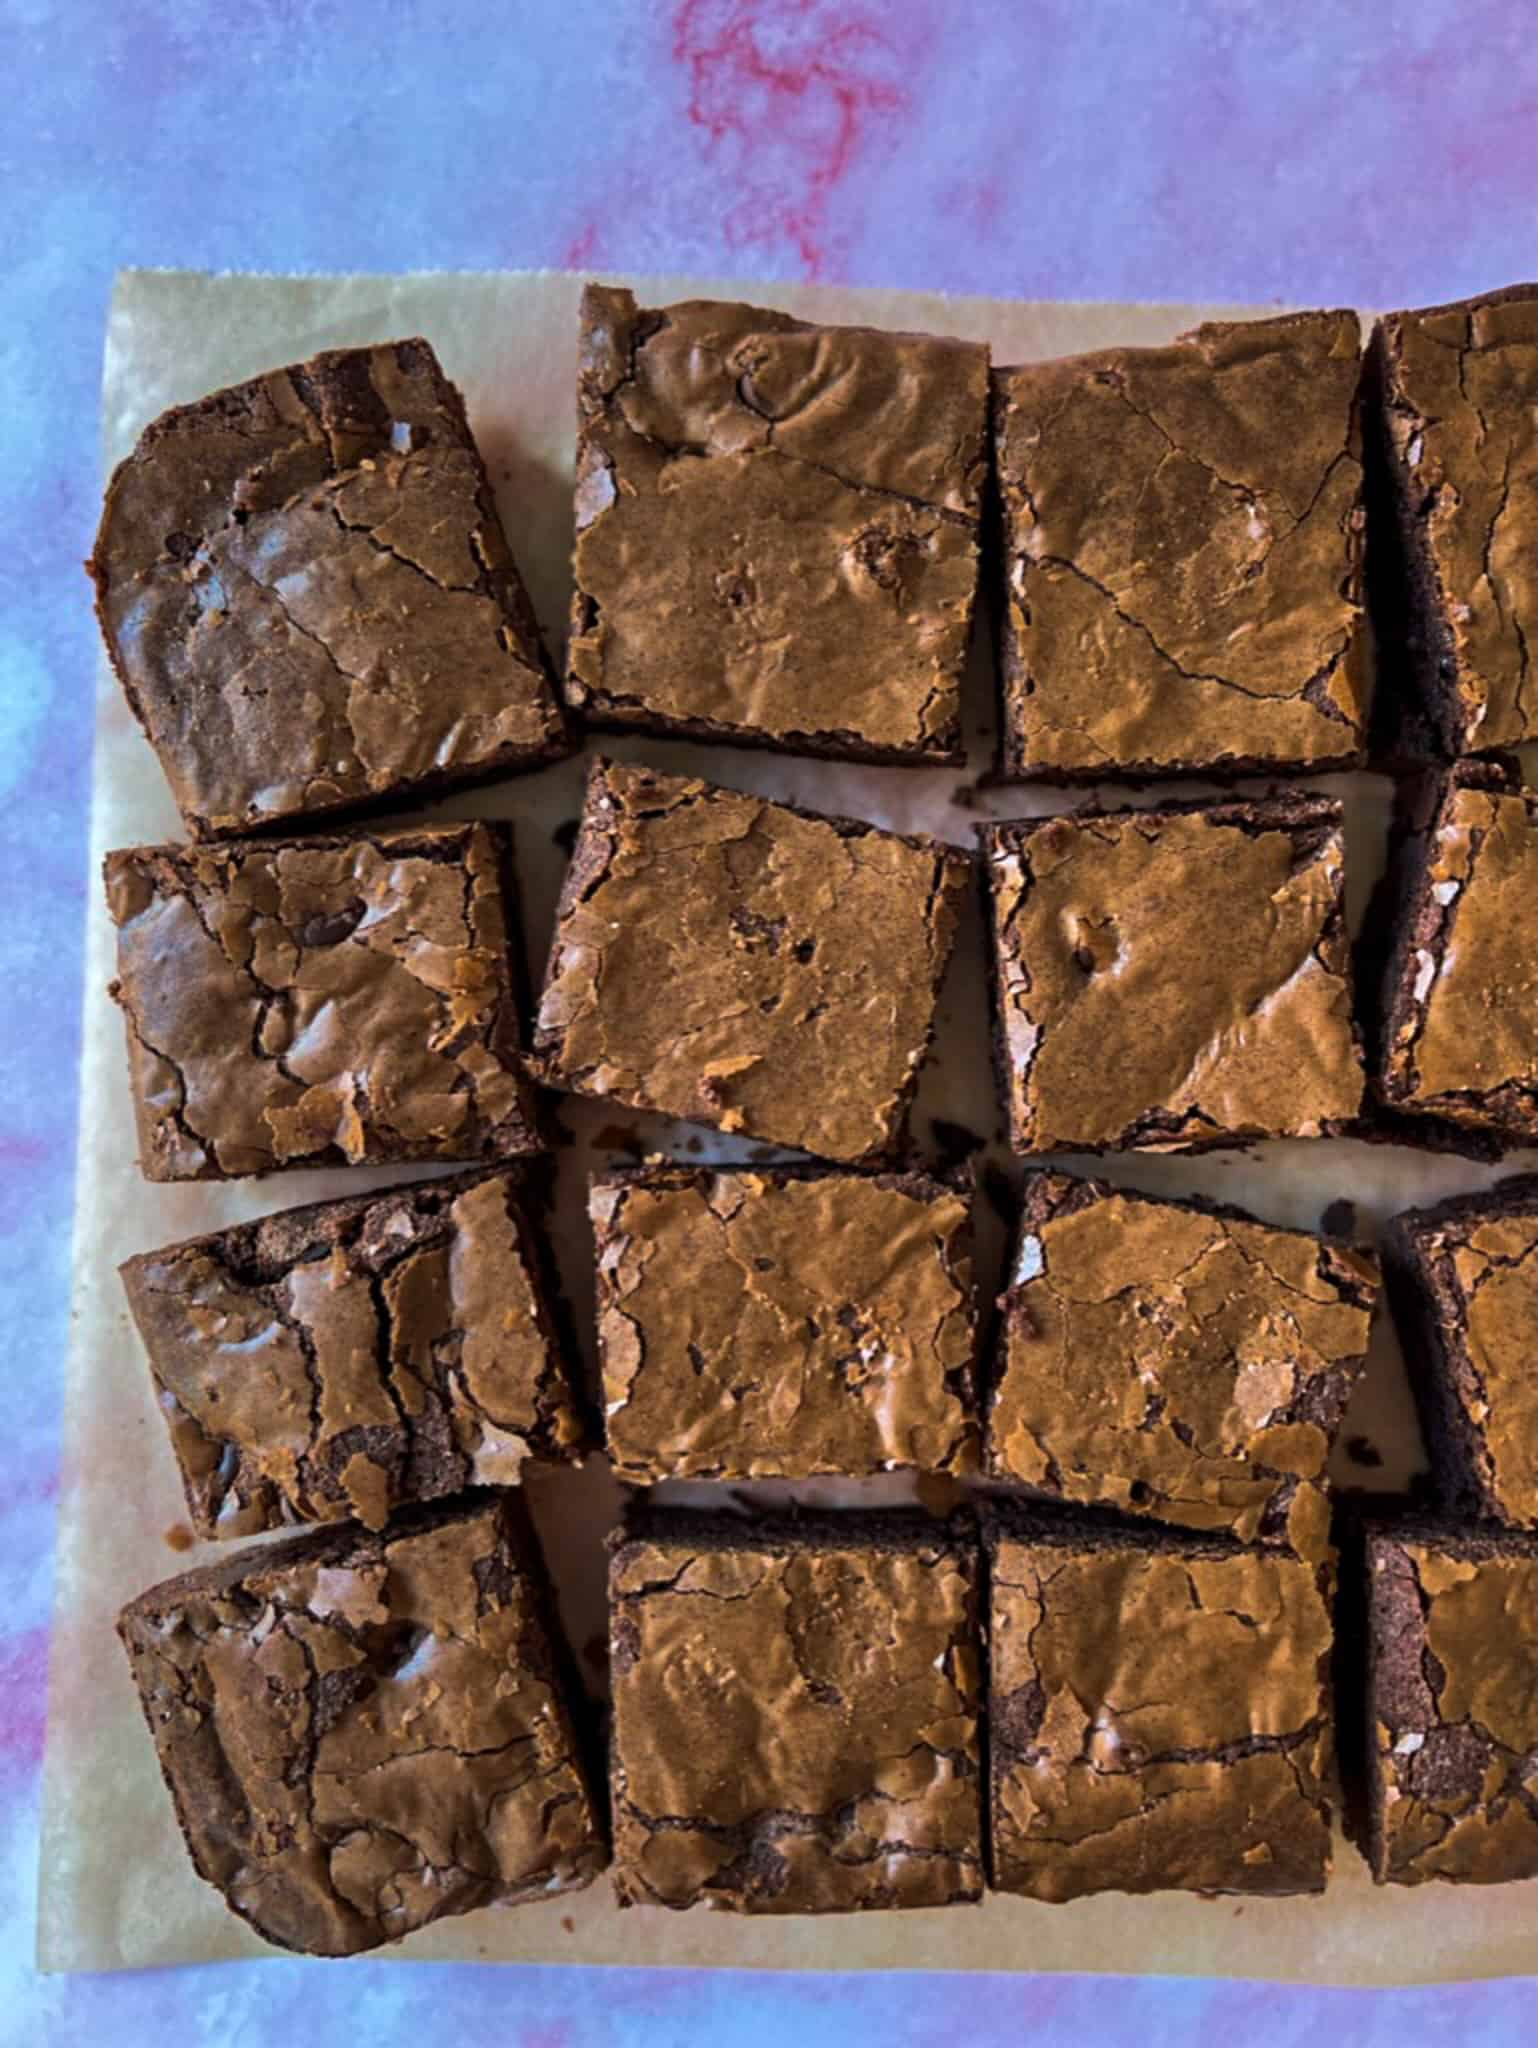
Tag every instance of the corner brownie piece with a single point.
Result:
(1159, 1712)
(1463, 1281)
(304, 1002)
(777, 529)
(363, 1733)
(783, 1323)
(1182, 535)
(308, 598)
(1176, 1359)
(795, 1712)
(336, 1360)
(1453, 1040)
(1452, 1704)
(1173, 979)
(1453, 483)
(746, 964)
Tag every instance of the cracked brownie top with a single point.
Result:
(308, 598)
(777, 528)
(305, 1002)
(1183, 537)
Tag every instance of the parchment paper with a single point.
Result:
(116, 1888)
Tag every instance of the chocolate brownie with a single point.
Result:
(1452, 1040)
(363, 1733)
(308, 598)
(1185, 1746)
(1453, 493)
(1176, 1359)
(1452, 1704)
(336, 1360)
(746, 964)
(795, 1712)
(1463, 1282)
(1175, 978)
(304, 1002)
(783, 1322)
(1182, 541)
(777, 529)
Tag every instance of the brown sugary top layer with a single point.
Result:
(1187, 1747)
(1203, 945)
(1454, 1705)
(776, 525)
(302, 1002)
(364, 1733)
(755, 1325)
(795, 1715)
(746, 964)
(308, 597)
(1183, 534)
(1169, 1360)
(1459, 384)
(337, 1360)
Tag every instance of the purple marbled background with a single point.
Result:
(1195, 149)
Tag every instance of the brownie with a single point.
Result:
(746, 964)
(1175, 978)
(777, 529)
(336, 1360)
(1188, 1746)
(305, 1002)
(1463, 1282)
(1176, 1359)
(1182, 538)
(1452, 1704)
(362, 1732)
(1453, 495)
(308, 598)
(1452, 1041)
(795, 1712)
(784, 1322)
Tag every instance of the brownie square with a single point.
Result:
(305, 1002)
(1173, 979)
(795, 1712)
(1159, 1712)
(1463, 1281)
(746, 964)
(1453, 489)
(777, 529)
(1452, 1704)
(783, 1323)
(334, 1361)
(308, 598)
(1182, 536)
(1453, 1040)
(1176, 1359)
(363, 1733)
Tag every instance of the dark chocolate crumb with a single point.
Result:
(565, 834)
(954, 1142)
(1339, 1219)
(1362, 1450)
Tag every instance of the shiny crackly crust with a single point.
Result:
(746, 964)
(1176, 1359)
(795, 1713)
(303, 1002)
(1187, 1748)
(337, 1360)
(778, 1323)
(1451, 396)
(777, 529)
(1463, 1279)
(1452, 1705)
(1182, 530)
(308, 598)
(362, 1733)
(1206, 942)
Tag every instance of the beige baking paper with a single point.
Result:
(115, 1886)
